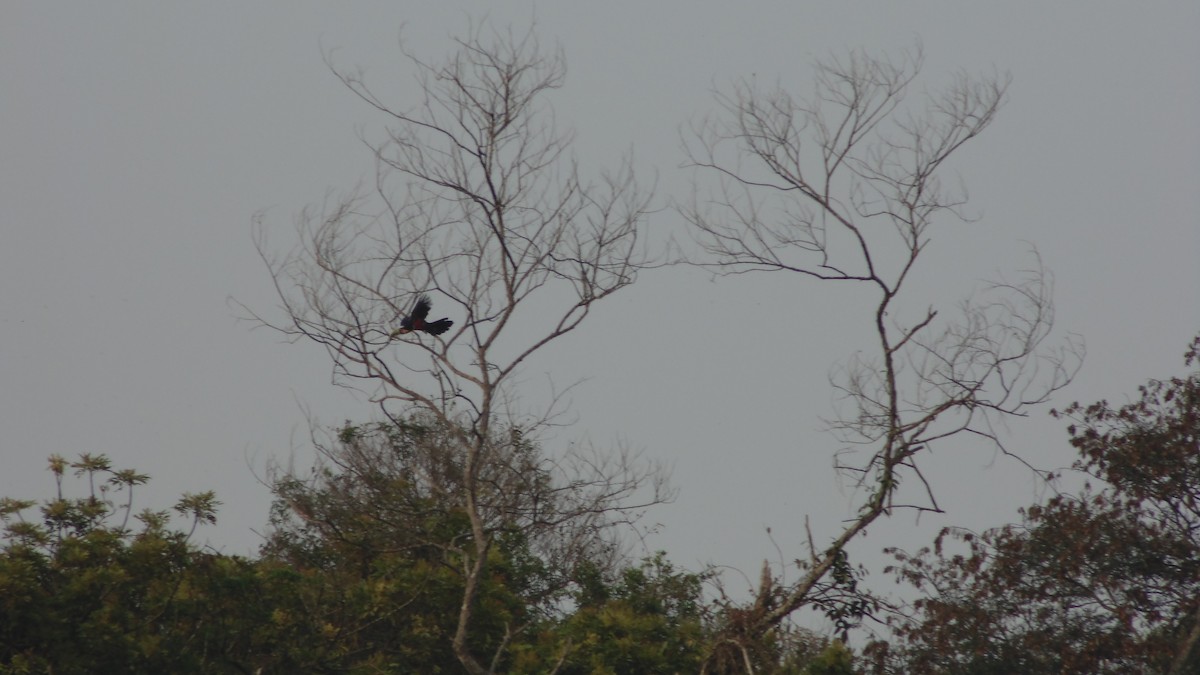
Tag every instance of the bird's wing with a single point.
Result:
(421, 310)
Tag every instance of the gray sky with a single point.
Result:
(138, 139)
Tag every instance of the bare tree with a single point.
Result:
(478, 203)
(844, 186)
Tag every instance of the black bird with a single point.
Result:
(416, 320)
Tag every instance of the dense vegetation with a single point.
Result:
(361, 573)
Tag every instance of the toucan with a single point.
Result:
(416, 320)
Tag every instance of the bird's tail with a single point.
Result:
(438, 327)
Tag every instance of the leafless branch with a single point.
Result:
(844, 185)
(479, 203)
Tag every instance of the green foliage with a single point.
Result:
(381, 533)
(1104, 581)
(80, 592)
(835, 659)
(648, 620)
(362, 573)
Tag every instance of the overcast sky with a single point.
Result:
(137, 140)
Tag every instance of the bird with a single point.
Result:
(416, 320)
